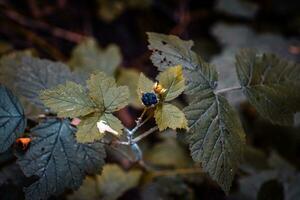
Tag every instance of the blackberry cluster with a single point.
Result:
(149, 99)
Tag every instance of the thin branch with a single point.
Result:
(228, 89)
(55, 31)
(145, 134)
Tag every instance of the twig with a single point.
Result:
(145, 134)
(55, 31)
(228, 89)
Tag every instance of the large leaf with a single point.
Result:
(88, 57)
(172, 80)
(216, 137)
(69, 100)
(12, 119)
(169, 116)
(272, 85)
(56, 158)
(106, 94)
(170, 50)
(28, 75)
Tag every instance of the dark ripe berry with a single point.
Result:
(149, 99)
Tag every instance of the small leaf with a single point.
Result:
(169, 116)
(106, 94)
(56, 158)
(88, 57)
(144, 85)
(130, 79)
(172, 80)
(170, 50)
(216, 137)
(272, 85)
(69, 100)
(12, 119)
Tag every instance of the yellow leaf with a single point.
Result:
(172, 80)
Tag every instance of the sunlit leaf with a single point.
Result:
(106, 94)
(88, 57)
(172, 80)
(69, 100)
(272, 85)
(216, 137)
(169, 116)
(12, 119)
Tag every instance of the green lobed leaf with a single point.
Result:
(170, 50)
(216, 137)
(106, 94)
(69, 100)
(272, 85)
(88, 57)
(12, 119)
(58, 161)
(172, 80)
(27, 76)
(169, 116)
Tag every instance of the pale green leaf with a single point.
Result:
(170, 50)
(172, 80)
(169, 116)
(88, 57)
(144, 85)
(88, 130)
(216, 137)
(69, 100)
(106, 94)
(272, 85)
(116, 98)
(130, 78)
